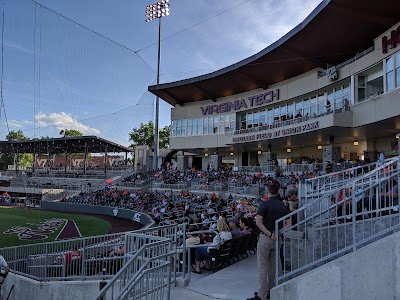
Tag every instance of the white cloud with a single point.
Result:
(17, 124)
(18, 47)
(63, 120)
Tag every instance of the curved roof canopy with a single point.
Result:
(335, 31)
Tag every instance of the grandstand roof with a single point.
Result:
(77, 144)
(334, 32)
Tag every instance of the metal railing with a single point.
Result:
(94, 257)
(147, 272)
(330, 184)
(364, 210)
(167, 186)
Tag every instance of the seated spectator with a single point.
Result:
(234, 226)
(72, 255)
(218, 240)
(244, 225)
(204, 237)
(119, 248)
(192, 239)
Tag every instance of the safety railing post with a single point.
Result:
(277, 254)
(184, 262)
(84, 259)
(354, 215)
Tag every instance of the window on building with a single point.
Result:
(215, 124)
(232, 125)
(194, 130)
(178, 127)
(390, 83)
(338, 98)
(189, 127)
(299, 109)
(313, 106)
(205, 125)
(184, 125)
(210, 125)
(270, 116)
(256, 119)
(173, 128)
(200, 126)
(249, 120)
(262, 118)
(306, 108)
(290, 109)
(321, 104)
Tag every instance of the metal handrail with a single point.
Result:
(364, 201)
(138, 273)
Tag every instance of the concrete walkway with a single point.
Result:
(236, 282)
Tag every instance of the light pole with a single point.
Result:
(157, 11)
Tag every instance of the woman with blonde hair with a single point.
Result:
(224, 234)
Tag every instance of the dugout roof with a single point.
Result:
(92, 144)
(334, 32)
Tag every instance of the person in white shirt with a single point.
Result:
(219, 239)
(3, 270)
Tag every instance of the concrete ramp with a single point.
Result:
(236, 282)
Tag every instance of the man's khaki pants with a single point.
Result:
(266, 264)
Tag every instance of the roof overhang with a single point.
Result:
(79, 144)
(334, 31)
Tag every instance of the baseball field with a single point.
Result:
(20, 226)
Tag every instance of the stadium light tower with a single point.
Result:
(157, 11)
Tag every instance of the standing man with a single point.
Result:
(3, 270)
(268, 212)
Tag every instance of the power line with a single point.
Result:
(194, 25)
(93, 31)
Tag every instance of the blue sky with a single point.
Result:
(57, 74)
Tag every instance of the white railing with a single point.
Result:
(364, 210)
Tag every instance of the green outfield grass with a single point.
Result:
(13, 216)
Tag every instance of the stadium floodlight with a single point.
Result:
(157, 11)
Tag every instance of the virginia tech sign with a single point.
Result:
(392, 41)
(252, 101)
(276, 133)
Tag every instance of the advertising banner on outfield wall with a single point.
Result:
(98, 210)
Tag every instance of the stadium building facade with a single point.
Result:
(329, 89)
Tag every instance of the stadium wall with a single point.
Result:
(371, 272)
(27, 289)
(129, 214)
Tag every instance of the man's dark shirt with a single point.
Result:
(272, 210)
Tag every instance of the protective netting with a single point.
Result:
(60, 75)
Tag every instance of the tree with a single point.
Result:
(16, 136)
(164, 137)
(144, 135)
(24, 159)
(70, 132)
